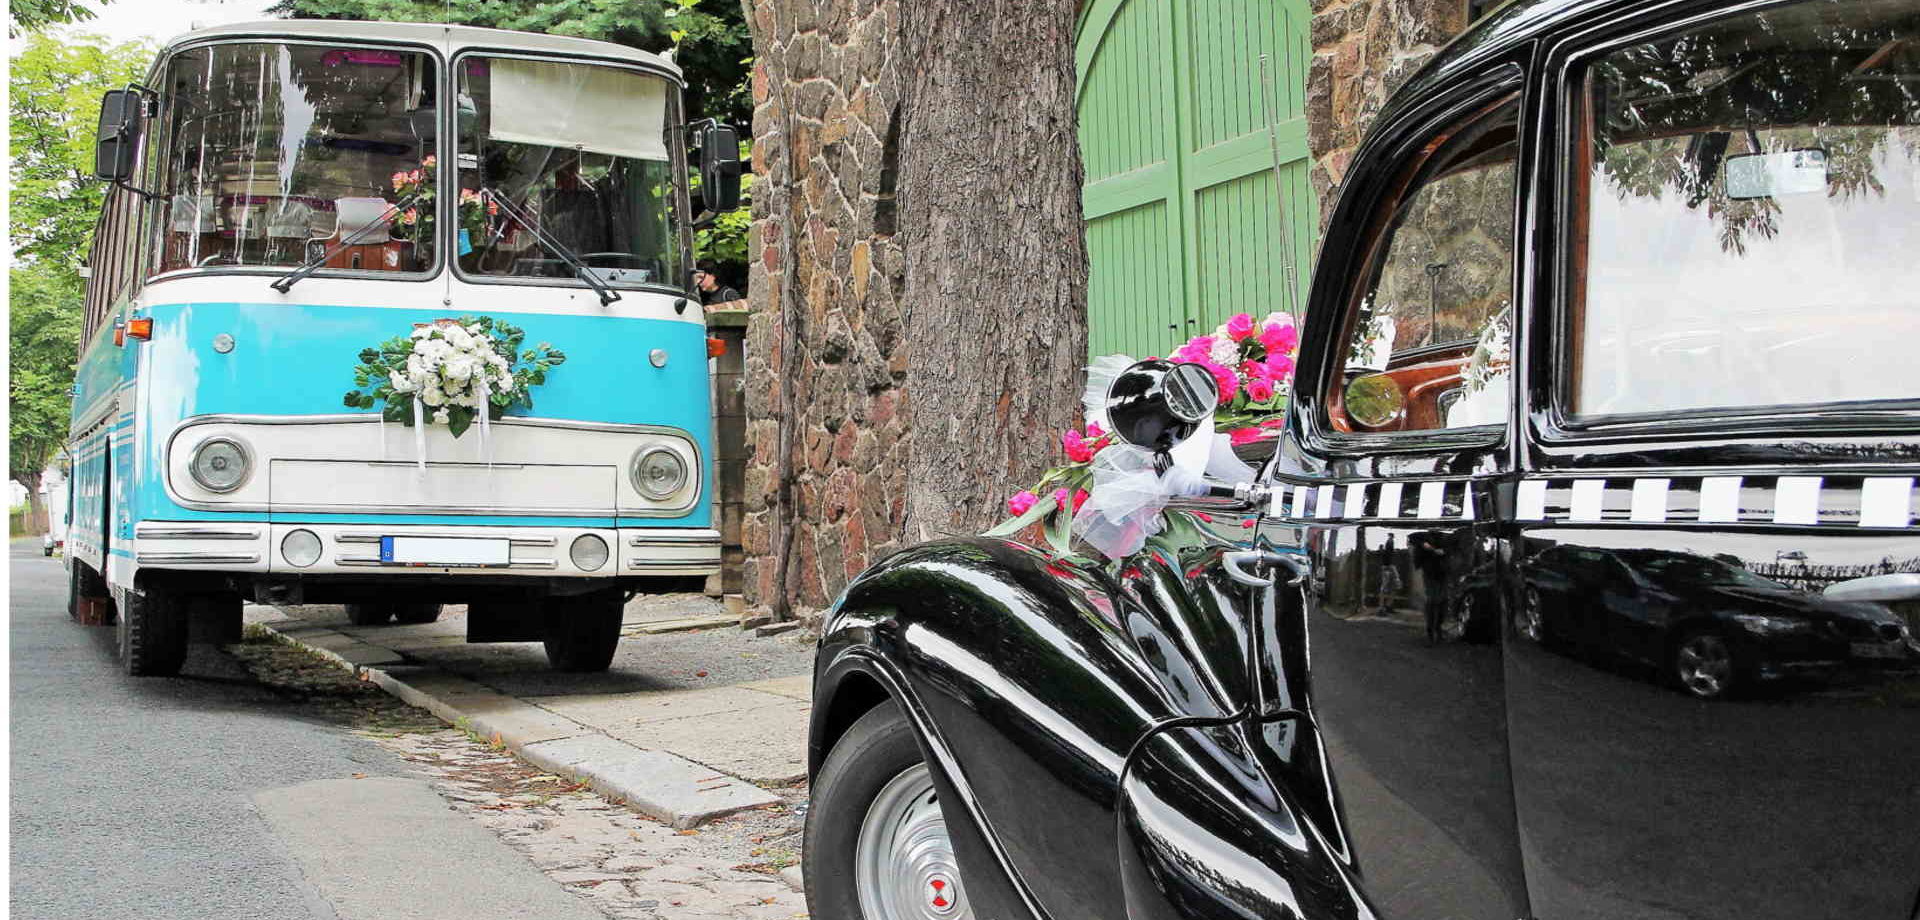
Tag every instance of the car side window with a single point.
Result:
(1426, 343)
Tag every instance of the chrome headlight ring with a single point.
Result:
(214, 476)
(659, 472)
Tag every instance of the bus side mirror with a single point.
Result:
(119, 136)
(719, 168)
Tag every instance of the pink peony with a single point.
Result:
(1077, 448)
(1245, 435)
(1280, 339)
(1239, 327)
(1259, 390)
(1021, 503)
(1228, 380)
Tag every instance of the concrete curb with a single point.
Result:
(655, 783)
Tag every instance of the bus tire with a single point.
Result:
(415, 614)
(153, 632)
(375, 614)
(584, 632)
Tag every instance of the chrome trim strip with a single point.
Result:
(639, 540)
(374, 562)
(196, 558)
(696, 474)
(511, 541)
(703, 565)
(187, 533)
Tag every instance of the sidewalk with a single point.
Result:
(688, 725)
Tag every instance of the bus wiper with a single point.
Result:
(286, 282)
(580, 270)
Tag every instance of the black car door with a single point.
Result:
(1721, 396)
(1387, 714)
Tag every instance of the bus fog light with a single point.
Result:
(220, 464)
(589, 552)
(658, 472)
(300, 547)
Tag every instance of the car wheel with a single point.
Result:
(415, 614)
(584, 632)
(369, 614)
(1703, 663)
(876, 841)
(1526, 620)
(153, 632)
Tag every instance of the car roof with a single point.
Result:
(456, 37)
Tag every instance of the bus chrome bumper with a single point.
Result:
(361, 549)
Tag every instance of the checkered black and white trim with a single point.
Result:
(1384, 501)
(1846, 501)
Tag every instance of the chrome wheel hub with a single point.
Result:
(1705, 664)
(904, 866)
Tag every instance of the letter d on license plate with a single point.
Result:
(448, 551)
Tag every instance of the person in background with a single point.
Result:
(711, 290)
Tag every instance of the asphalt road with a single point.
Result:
(209, 795)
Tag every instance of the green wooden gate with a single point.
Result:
(1196, 165)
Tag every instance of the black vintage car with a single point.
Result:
(1635, 280)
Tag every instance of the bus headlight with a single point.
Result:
(301, 548)
(658, 472)
(220, 464)
(588, 552)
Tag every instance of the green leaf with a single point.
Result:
(353, 399)
(1060, 532)
(369, 355)
(1010, 527)
(556, 356)
(459, 420)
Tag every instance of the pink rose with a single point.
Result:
(1280, 366)
(1239, 327)
(1280, 339)
(1259, 390)
(1228, 380)
(429, 161)
(1094, 430)
(1253, 370)
(1021, 503)
(1077, 449)
(1241, 436)
(1196, 351)
(399, 179)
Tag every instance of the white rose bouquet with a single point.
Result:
(455, 369)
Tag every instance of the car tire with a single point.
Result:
(582, 633)
(369, 614)
(415, 614)
(1704, 664)
(73, 590)
(153, 632)
(854, 802)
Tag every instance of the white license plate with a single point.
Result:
(463, 551)
(1879, 650)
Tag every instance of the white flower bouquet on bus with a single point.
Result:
(451, 372)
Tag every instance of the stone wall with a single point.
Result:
(1363, 50)
(826, 360)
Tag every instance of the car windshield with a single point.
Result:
(277, 151)
(580, 151)
(1752, 210)
(1682, 568)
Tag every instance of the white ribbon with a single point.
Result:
(486, 443)
(419, 437)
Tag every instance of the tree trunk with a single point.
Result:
(996, 273)
(36, 506)
(917, 275)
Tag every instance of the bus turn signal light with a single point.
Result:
(140, 327)
(716, 347)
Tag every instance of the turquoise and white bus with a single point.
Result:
(482, 239)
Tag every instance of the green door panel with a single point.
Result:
(1196, 195)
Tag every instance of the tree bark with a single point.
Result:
(36, 506)
(996, 262)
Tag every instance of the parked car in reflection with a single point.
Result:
(1708, 626)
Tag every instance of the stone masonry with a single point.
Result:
(826, 360)
(1363, 50)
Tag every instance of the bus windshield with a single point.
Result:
(277, 152)
(578, 150)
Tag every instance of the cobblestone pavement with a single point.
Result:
(625, 864)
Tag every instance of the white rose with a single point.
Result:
(440, 417)
(474, 329)
(458, 337)
(433, 397)
(458, 368)
(401, 383)
(422, 332)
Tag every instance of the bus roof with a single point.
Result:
(454, 38)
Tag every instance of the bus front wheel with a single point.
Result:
(153, 632)
(583, 632)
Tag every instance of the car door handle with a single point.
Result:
(1900, 586)
(1243, 566)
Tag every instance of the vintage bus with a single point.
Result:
(483, 239)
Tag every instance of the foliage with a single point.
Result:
(34, 15)
(709, 38)
(442, 365)
(56, 88)
(726, 240)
